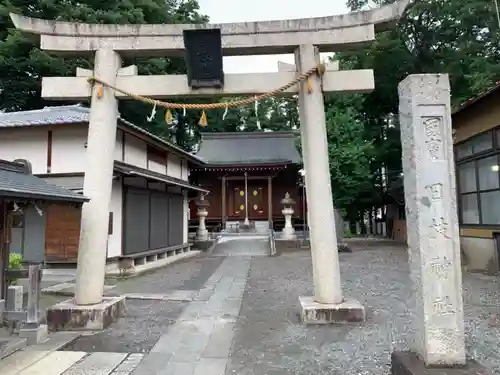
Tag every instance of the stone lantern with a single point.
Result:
(202, 212)
(288, 203)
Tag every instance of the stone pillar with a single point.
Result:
(97, 182)
(328, 304)
(288, 230)
(270, 201)
(223, 203)
(432, 225)
(202, 212)
(246, 223)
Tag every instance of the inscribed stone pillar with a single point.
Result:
(97, 182)
(327, 288)
(431, 216)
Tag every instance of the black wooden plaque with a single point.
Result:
(203, 55)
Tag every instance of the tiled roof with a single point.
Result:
(17, 183)
(249, 148)
(71, 114)
(476, 98)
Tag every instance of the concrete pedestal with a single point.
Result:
(35, 335)
(68, 316)
(408, 363)
(313, 312)
(288, 230)
(202, 232)
(205, 246)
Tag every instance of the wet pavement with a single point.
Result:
(243, 318)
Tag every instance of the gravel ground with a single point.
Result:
(269, 338)
(189, 274)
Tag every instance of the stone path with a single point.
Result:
(244, 246)
(225, 315)
(39, 362)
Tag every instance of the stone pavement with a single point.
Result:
(239, 315)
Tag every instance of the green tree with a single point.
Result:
(22, 63)
(434, 36)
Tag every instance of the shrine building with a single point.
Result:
(247, 175)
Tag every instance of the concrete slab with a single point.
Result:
(21, 360)
(68, 289)
(69, 316)
(174, 295)
(97, 364)
(129, 364)
(313, 312)
(211, 366)
(56, 341)
(54, 363)
(152, 364)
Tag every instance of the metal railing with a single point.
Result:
(272, 243)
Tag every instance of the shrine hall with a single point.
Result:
(248, 174)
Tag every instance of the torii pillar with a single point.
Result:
(108, 42)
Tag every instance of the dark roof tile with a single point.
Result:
(70, 114)
(16, 183)
(249, 148)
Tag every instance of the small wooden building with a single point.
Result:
(21, 191)
(247, 175)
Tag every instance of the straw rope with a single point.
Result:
(319, 69)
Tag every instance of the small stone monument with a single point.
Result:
(288, 203)
(202, 212)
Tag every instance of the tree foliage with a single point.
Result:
(22, 63)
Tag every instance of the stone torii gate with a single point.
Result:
(429, 170)
(306, 38)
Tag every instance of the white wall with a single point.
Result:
(185, 170)
(156, 167)
(115, 239)
(135, 152)
(25, 143)
(68, 149)
(174, 166)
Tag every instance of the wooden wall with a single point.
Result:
(282, 182)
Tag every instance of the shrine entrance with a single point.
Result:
(256, 203)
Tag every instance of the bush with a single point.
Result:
(347, 233)
(15, 263)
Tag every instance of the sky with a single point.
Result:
(221, 11)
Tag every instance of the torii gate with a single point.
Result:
(304, 37)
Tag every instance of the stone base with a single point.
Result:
(35, 335)
(408, 363)
(205, 246)
(67, 316)
(313, 312)
(202, 235)
(343, 248)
